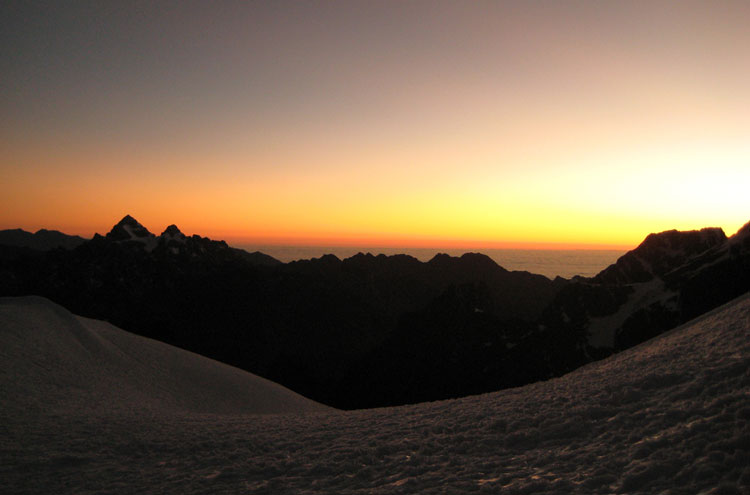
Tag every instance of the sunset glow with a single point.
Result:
(515, 124)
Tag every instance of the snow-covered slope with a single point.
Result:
(671, 415)
(52, 360)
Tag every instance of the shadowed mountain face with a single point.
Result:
(382, 330)
(667, 280)
(659, 254)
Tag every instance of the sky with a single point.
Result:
(534, 123)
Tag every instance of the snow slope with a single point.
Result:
(671, 415)
(55, 361)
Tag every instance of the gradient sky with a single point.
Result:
(377, 123)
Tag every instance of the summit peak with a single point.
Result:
(172, 234)
(742, 238)
(743, 232)
(128, 219)
(173, 231)
(129, 229)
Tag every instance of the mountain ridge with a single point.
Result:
(668, 279)
(372, 330)
(41, 240)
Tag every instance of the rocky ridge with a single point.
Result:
(668, 279)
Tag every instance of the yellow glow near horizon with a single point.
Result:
(578, 204)
(502, 124)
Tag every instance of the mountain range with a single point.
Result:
(381, 330)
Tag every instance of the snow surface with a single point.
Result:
(55, 361)
(149, 240)
(671, 415)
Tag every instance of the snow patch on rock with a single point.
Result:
(602, 330)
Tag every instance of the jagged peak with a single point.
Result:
(440, 258)
(128, 220)
(661, 252)
(173, 231)
(741, 239)
(476, 258)
(742, 233)
(360, 254)
(129, 229)
(678, 240)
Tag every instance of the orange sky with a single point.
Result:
(392, 124)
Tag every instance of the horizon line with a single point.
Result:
(237, 238)
(437, 245)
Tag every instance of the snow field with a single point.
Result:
(56, 361)
(669, 416)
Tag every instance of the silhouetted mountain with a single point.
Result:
(742, 237)
(306, 324)
(172, 233)
(41, 240)
(382, 330)
(659, 254)
(364, 305)
(172, 242)
(454, 346)
(128, 229)
(668, 279)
